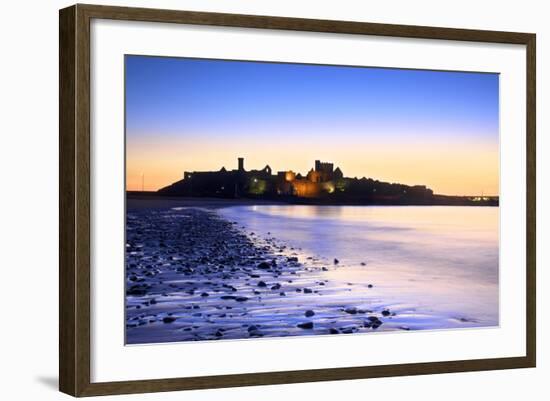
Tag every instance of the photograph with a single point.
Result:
(267, 199)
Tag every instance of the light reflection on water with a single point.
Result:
(441, 260)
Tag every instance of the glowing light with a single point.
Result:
(258, 187)
(290, 176)
(329, 187)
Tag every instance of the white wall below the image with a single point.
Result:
(29, 177)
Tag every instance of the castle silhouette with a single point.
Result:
(322, 183)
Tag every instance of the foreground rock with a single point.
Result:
(192, 276)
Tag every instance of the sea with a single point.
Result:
(438, 266)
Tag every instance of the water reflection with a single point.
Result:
(442, 261)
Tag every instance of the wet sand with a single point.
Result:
(151, 201)
(192, 275)
(195, 272)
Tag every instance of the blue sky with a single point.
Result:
(178, 99)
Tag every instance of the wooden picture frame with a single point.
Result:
(74, 199)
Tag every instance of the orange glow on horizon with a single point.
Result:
(447, 168)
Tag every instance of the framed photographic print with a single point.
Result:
(297, 200)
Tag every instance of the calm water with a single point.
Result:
(436, 266)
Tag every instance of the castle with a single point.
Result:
(240, 182)
(322, 183)
(317, 181)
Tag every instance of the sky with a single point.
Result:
(433, 128)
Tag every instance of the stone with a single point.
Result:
(136, 291)
(309, 313)
(376, 325)
(264, 266)
(307, 325)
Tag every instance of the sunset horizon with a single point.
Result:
(301, 199)
(413, 127)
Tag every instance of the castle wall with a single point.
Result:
(306, 189)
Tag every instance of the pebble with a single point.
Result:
(195, 253)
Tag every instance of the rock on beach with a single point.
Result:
(221, 282)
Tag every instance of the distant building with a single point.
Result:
(323, 181)
(319, 180)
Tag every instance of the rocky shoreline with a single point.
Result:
(192, 275)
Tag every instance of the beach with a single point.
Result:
(152, 201)
(215, 269)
